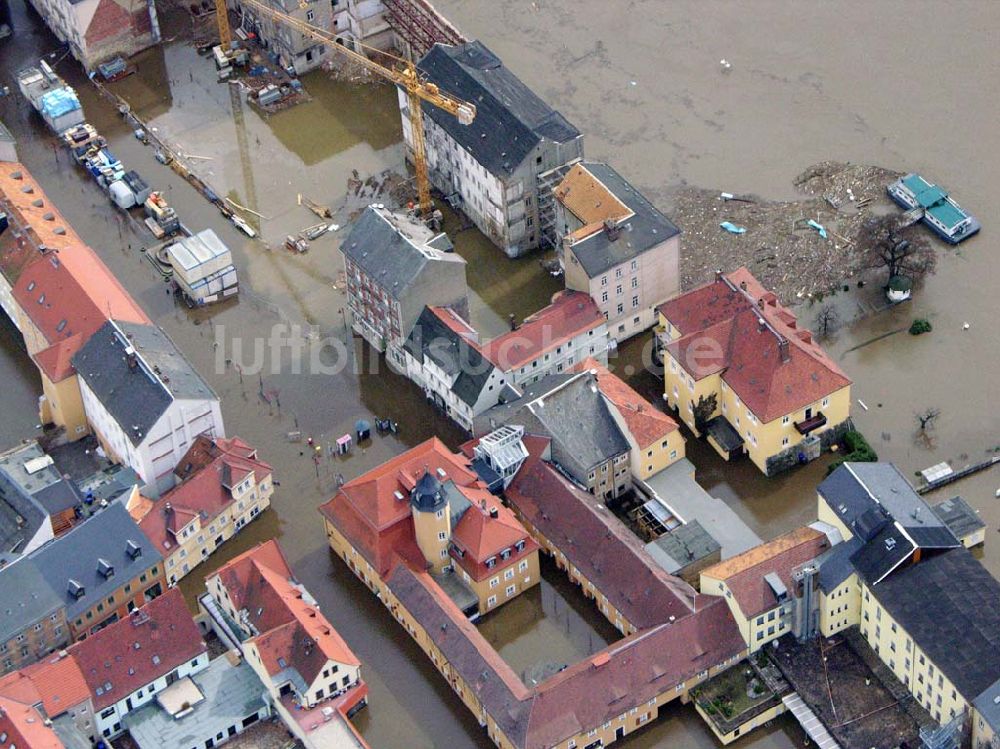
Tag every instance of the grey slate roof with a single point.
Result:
(137, 397)
(231, 694)
(28, 499)
(835, 564)
(25, 597)
(510, 118)
(959, 516)
(75, 556)
(388, 248)
(859, 492)
(676, 487)
(571, 410)
(683, 546)
(430, 337)
(950, 605)
(646, 229)
(988, 705)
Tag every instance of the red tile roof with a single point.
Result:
(204, 489)
(744, 573)
(25, 728)
(376, 522)
(481, 536)
(293, 632)
(775, 368)
(583, 696)
(57, 683)
(646, 423)
(631, 672)
(598, 544)
(135, 651)
(571, 313)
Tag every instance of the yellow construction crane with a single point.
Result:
(222, 17)
(406, 76)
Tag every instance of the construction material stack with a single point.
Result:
(203, 268)
(51, 97)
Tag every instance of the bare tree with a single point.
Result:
(826, 320)
(926, 419)
(902, 251)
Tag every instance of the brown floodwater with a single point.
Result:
(645, 86)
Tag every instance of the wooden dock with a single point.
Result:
(956, 475)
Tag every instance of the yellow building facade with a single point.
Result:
(760, 440)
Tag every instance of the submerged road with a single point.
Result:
(411, 706)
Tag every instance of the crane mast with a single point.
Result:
(406, 76)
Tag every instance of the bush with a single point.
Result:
(920, 325)
(856, 450)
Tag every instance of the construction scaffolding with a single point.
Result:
(418, 26)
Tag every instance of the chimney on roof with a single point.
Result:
(494, 513)
(743, 285)
(718, 274)
(130, 357)
(168, 508)
(783, 350)
(760, 302)
(611, 229)
(510, 319)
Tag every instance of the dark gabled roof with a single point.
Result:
(557, 406)
(835, 566)
(25, 597)
(860, 494)
(950, 605)
(959, 516)
(75, 556)
(646, 228)
(136, 397)
(388, 248)
(883, 553)
(684, 545)
(510, 118)
(432, 337)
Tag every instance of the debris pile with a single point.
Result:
(782, 245)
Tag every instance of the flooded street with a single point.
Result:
(644, 84)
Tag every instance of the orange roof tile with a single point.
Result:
(587, 198)
(377, 522)
(24, 727)
(25, 198)
(481, 536)
(292, 629)
(744, 573)
(645, 422)
(570, 314)
(59, 682)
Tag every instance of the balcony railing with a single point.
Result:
(811, 424)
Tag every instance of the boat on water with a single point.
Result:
(937, 209)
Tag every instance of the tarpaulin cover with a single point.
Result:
(59, 101)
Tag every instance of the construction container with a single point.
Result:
(56, 102)
(121, 195)
(138, 186)
(269, 95)
(203, 267)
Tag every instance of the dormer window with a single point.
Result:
(105, 569)
(505, 554)
(491, 562)
(519, 545)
